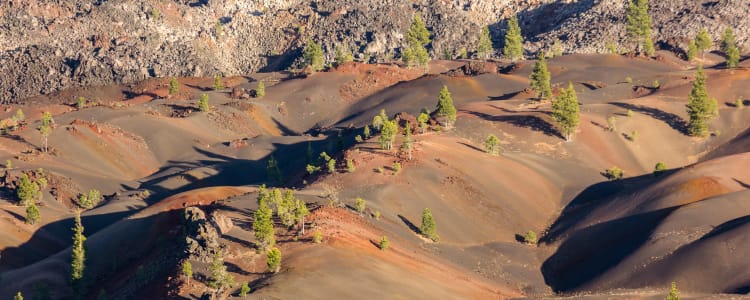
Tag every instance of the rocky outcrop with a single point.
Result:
(50, 45)
(201, 237)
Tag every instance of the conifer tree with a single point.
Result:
(674, 294)
(638, 25)
(727, 40)
(203, 103)
(174, 86)
(244, 289)
(32, 213)
(445, 108)
(273, 172)
(428, 228)
(692, 51)
(273, 260)
(27, 190)
(384, 243)
(218, 82)
(700, 107)
(312, 56)
(18, 296)
(187, 270)
(263, 226)
(45, 129)
(300, 212)
(408, 143)
(565, 110)
(540, 78)
(484, 49)
(703, 42)
(366, 132)
(491, 143)
(417, 38)
(343, 55)
(513, 40)
(388, 134)
(260, 91)
(733, 57)
(219, 279)
(422, 119)
(78, 252)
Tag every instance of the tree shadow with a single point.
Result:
(744, 185)
(525, 121)
(409, 224)
(670, 119)
(506, 96)
(22, 218)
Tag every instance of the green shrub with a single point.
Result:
(384, 243)
(739, 103)
(89, 200)
(629, 79)
(633, 136)
(612, 123)
(273, 260)
(244, 289)
(80, 102)
(614, 173)
(203, 103)
(332, 166)
(350, 166)
(396, 167)
(656, 84)
(260, 91)
(376, 215)
(660, 168)
(630, 113)
(530, 237)
(428, 227)
(360, 205)
(317, 237)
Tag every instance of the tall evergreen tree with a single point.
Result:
(565, 110)
(484, 49)
(422, 119)
(27, 190)
(273, 172)
(733, 57)
(674, 294)
(220, 279)
(703, 41)
(343, 55)
(18, 296)
(445, 108)
(260, 91)
(32, 213)
(187, 270)
(174, 86)
(727, 40)
(203, 103)
(407, 144)
(692, 51)
(700, 107)
(513, 40)
(417, 38)
(273, 260)
(388, 134)
(218, 82)
(45, 129)
(312, 56)
(428, 227)
(638, 26)
(78, 252)
(263, 225)
(540, 78)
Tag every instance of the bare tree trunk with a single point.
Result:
(303, 225)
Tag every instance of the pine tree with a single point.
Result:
(540, 78)
(513, 40)
(422, 119)
(360, 205)
(300, 212)
(187, 271)
(78, 252)
(674, 294)
(445, 108)
(692, 51)
(312, 56)
(343, 55)
(428, 228)
(700, 107)
(384, 243)
(174, 86)
(263, 226)
(417, 38)
(45, 129)
(27, 190)
(388, 134)
(32, 213)
(309, 153)
(260, 91)
(18, 296)
(220, 279)
(565, 110)
(203, 103)
(733, 57)
(273, 260)
(244, 290)
(80, 103)
(218, 82)
(638, 25)
(366, 132)
(408, 143)
(491, 143)
(703, 41)
(727, 40)
(484, 49)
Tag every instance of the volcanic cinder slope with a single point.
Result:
(600, 239)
